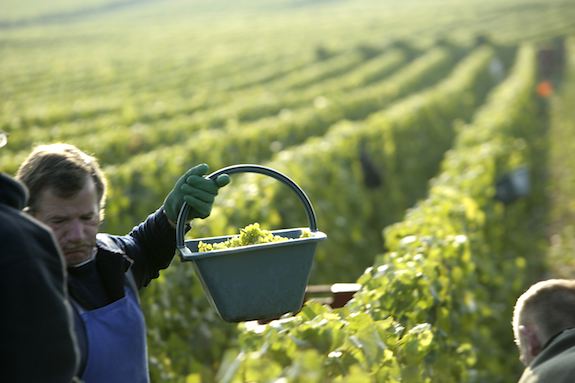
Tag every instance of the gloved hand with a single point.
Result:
(197, 191)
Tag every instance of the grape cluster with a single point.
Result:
(250, 235)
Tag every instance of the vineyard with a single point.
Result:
(407, 123)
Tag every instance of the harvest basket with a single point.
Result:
(254, 282)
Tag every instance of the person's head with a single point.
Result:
(543, 311)
(67, 193)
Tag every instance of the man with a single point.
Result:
(544, 329)
(37, 342)
(67, 192)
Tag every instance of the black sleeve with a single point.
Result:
(151, 245)
(38, 343)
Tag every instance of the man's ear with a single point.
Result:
(531, 344)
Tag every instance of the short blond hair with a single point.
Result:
(548, 305)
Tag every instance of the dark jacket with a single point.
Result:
(37, 343)
(555, 363)
(147, 249)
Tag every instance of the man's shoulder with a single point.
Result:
(556, 364)
(112, 247)
(108, 243)
(559, 369)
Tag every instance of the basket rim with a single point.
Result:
(196, 255)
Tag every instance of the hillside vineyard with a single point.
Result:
(401, 120)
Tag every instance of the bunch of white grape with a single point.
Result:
(250, 235)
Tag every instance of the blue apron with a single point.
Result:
(116, 337)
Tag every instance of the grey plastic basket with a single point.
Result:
(254, 282)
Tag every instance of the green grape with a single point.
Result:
(250, 235)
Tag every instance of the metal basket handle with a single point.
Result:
(245, 168)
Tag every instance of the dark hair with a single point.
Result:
(62, 168)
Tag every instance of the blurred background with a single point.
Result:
(359, 102)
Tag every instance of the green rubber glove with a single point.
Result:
(197, 191)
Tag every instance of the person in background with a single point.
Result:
(544, 329)
(67, 193)
(37, 342)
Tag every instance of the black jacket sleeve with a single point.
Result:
(151, 246)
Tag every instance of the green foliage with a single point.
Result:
(257, 141)
(562, 163)
(252, 234)
(259, 199)
(431, 308)
(337, 161)
(387, 89)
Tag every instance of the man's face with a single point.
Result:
(529, 344)
(524, 353)
(75, 221)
